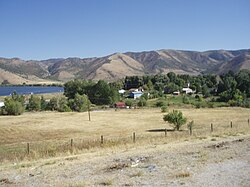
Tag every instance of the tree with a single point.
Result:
(44, 104)
(176, 118)
(13, 107)
(34, 103)
(53, 104)
(103, 94)
(205, 91)
(80, 103)
(63, 105)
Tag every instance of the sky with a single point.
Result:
(43, 29)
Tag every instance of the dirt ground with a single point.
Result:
(220, 161)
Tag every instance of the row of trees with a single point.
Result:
(230, 87)
(79, 95)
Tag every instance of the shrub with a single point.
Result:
(185, 100)
(34, 103)
(80, 103)
(164, 109)
(129, 102)
(160, 103)
(142, 102)
(13, 107)
(176, 118)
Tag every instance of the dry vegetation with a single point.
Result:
(49, 133)
(154, 160)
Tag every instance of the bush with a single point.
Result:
(161, 103)
(164, 109)
(176, 118)
(129, 103)
(142, 102)
(12, 107)
(185, 100)
(80, 103)
(34, 103)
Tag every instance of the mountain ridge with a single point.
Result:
(119, 65)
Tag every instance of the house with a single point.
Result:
(176, 93)
(187, 90)
(1, 104)
(122, 91)
(120, 105)
(135, 95)
(140, 89)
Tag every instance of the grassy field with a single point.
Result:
(49, 133)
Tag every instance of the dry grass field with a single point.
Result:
(50, 133)
(204, 159)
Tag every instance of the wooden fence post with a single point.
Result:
(28, 148)
(190, 130)
(231, 124)
(248, 121)
(102, 141)
(71, 143)
(134, 137)
(165, 132)
(212, 128)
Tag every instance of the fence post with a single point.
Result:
(165, 132)
(248, 121)
(28, 148)
(134, 137)
(71, 143)
(102, 139)
(231, 124)
(212, 128)
(190, 130)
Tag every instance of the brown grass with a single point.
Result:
(49, 133)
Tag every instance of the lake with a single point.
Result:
(24, 90)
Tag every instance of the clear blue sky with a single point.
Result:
(42, 29)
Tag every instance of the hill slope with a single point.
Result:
(119, 65)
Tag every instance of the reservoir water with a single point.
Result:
(24, 90)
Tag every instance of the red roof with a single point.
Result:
(120, 104)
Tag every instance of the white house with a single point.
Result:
(122, 91)
(1, 104)
(187, 90)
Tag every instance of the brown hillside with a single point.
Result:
(119, 65)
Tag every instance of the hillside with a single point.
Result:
(119, 65)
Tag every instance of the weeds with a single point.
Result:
(183, 174)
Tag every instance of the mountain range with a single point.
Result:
(119, 65)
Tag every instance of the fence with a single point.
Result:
(51, 148)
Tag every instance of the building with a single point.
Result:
(1, 104)
(187, 90)
(120, 105)
(176, 93)
(122, 91)
(135, 95)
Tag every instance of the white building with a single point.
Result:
(1, 104)
(187, 90)
(122, 91)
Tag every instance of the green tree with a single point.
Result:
(205, 91)
(12, 107)
(44, 104)
(80, 103)
(34, 103)
(63, 105)
(103, 94)
(53, 104)
(176, 118)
